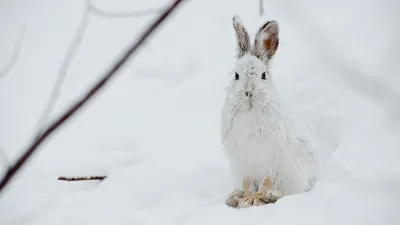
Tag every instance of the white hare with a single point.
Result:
(269, 155)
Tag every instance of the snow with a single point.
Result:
(154, 131)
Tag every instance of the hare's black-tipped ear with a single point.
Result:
(267, 41)
(242, 38)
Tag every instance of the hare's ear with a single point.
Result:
(267, 41)
(242, 38)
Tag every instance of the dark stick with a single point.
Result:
(82, 178)
(84, 100)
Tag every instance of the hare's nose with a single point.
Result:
(248, 94)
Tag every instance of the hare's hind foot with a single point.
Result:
(234, 198)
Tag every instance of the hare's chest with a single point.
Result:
(253, 142)
(256, 127)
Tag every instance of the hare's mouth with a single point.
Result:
(250, 104)
(246, 103)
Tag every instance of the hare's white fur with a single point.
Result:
(259, 137)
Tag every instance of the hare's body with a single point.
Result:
(263, 143)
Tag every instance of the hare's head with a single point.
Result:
(251, 79)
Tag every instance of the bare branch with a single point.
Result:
(85, 99)
(82, 178)
(7, 69)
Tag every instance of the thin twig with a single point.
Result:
(261, 7)
(82, 178)
(62, 73)
(10, 65)
(103, 13)
(85, 99)
(71, 52)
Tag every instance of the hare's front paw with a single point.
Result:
(260, 198)
(265, 195)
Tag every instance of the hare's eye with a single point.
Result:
(263, 76)
(236, 76)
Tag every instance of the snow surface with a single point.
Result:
(154, 131)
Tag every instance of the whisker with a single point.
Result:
(234, 111)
